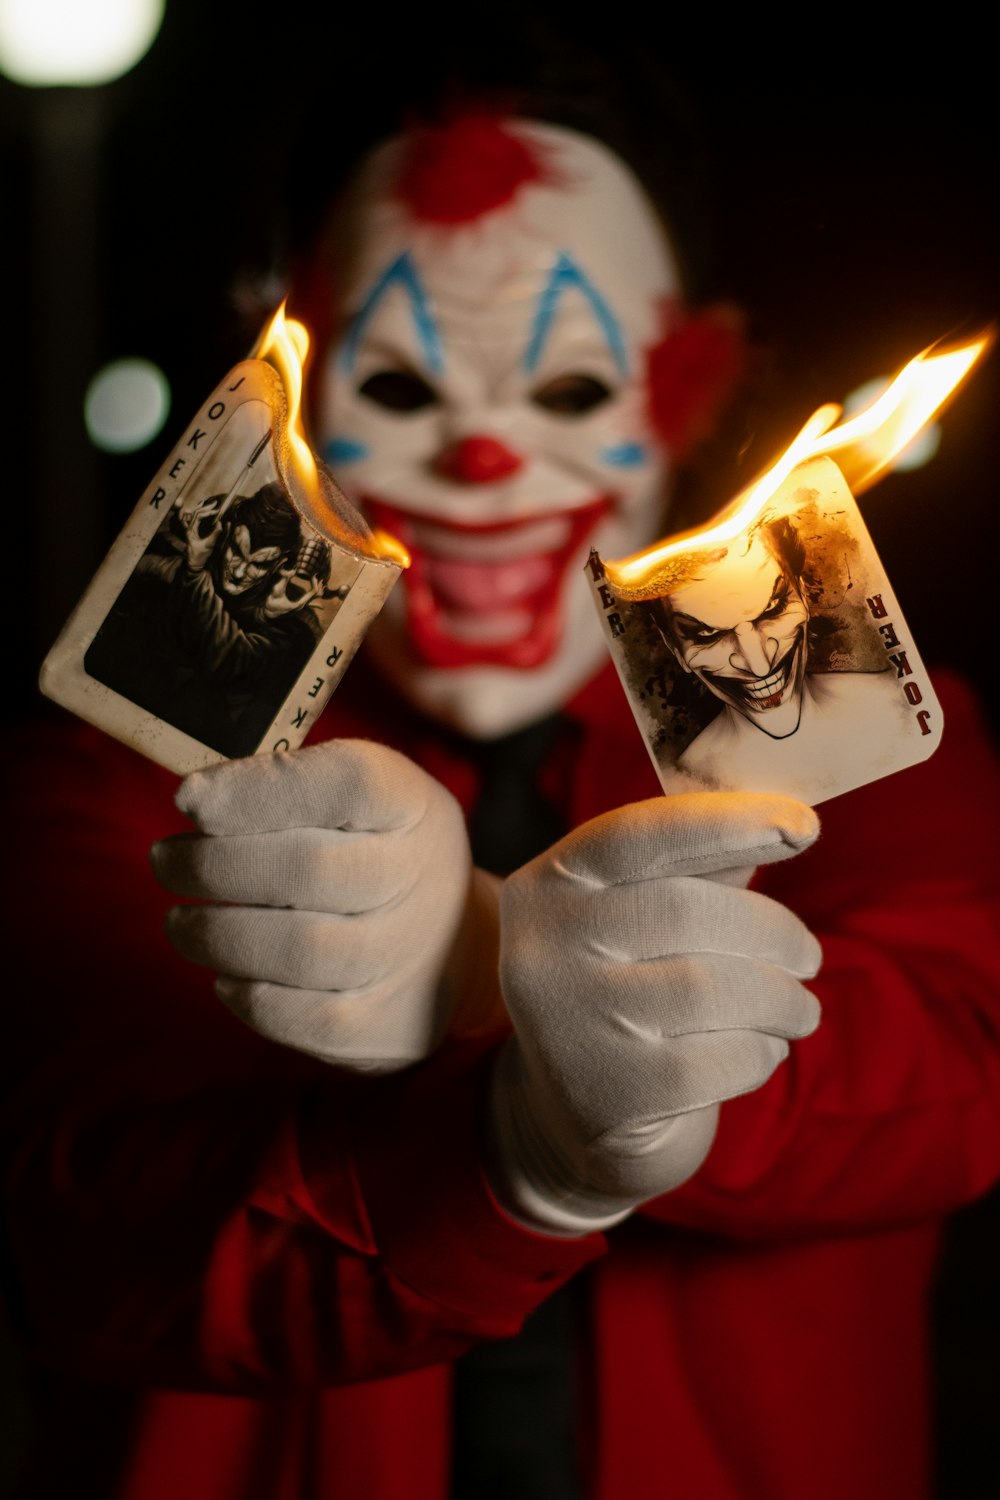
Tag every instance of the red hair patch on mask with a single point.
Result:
(455, 173)
(692, 373)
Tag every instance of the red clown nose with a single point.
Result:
(477, 460)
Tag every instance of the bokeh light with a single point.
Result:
(915, 454)
(126, 405)
(81, 42)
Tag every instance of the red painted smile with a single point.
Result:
(487, 595)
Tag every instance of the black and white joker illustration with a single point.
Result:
(218, 617)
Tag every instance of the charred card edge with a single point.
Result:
(883, 607)
(63, 677)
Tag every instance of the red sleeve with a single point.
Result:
(890, 1113)
(188, 1204)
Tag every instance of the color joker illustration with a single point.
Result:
(740, 628)
(775, 661)
(512, 315)
(739, 623)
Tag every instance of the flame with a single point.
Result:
(391, 547)
(285, 344)
(863, 448)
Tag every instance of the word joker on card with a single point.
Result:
(238, 592)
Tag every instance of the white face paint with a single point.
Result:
(486, 403)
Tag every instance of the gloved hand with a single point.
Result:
(351, 888)
(645, 986)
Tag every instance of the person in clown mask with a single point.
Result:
(505, 290)
(567, 1048)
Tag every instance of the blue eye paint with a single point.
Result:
(344, 450)
(626, 455)
(402, 273)
(565, 275)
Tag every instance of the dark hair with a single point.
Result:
(268, 517)
(574, 73)
(779, 536)
(783, 542)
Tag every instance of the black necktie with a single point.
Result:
(512, 821)
(515, 1399)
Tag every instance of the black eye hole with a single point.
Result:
(398, 390)
(571, 395)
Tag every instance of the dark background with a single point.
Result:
(845, 197)
(843, 193)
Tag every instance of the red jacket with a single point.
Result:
(251, 1247)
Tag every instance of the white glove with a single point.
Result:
(351, 878)
(641, 994)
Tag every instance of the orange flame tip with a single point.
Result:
(863, 448)
(390, 548)
(284, 344)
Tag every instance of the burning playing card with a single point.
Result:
(767, 651)
(230, 605)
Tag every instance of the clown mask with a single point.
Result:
(485, 400)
